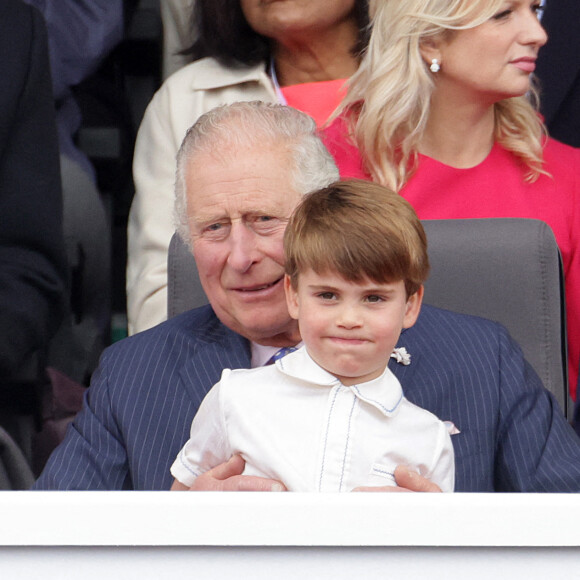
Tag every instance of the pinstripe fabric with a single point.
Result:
(138, 410)
(467, 370)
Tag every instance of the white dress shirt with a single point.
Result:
(294, 422)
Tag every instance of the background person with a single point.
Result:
(137, 412)
(458, 140)
(178, 33)
(81, 34)
(294, 52)
(559, 71)
(33, 272)
(33, 266)
(356, 259)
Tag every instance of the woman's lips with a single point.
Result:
(526, 64)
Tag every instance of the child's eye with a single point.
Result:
(374, 298)
(327, 295)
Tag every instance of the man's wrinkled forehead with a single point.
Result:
(241, 181)
(227, 141)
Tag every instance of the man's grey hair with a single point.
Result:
(254, 124)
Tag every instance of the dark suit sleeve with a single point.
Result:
(537, 450)
(32, 255)
(93, 455)
(135, 418)
(513, 435)
(137, 412)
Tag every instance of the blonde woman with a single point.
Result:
(440, 111)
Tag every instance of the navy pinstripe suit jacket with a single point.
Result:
(138, 410)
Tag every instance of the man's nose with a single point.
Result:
(244, 249)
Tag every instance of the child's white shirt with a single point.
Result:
(294, 422)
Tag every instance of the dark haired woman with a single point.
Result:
(297, 52)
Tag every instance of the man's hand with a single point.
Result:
(228, 477)
(407, 480)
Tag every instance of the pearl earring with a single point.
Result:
(435, 67)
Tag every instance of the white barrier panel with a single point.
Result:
(287, 535)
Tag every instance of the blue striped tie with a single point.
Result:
(280, 354)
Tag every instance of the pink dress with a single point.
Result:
(496, 188)
(316, 99)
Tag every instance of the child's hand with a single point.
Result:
(407, 480)
(228, 477)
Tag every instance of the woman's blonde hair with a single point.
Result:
(388, 99)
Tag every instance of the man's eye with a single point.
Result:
(264, 220)
(215, 231)
(264, 224)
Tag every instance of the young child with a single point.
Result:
(331, 416)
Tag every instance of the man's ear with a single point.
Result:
(291, 297)
(413, 308)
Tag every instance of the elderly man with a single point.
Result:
(241, 171)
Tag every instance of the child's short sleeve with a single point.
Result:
(208, 444)
(443, 470)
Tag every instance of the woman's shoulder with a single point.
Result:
(203, 84)
(199, 86)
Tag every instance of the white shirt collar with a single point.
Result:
(210, 74)
(384, 393)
